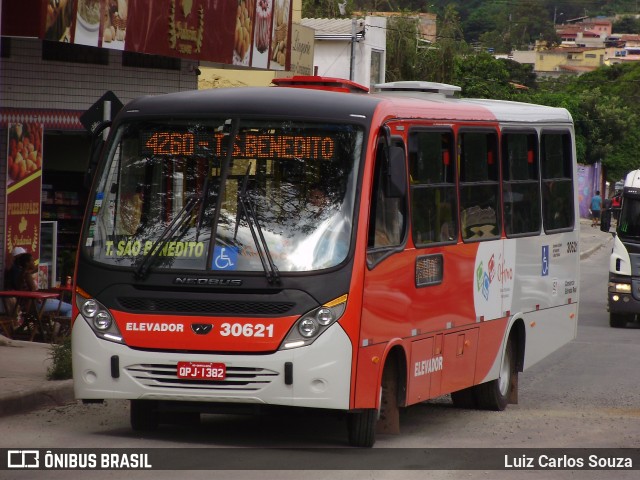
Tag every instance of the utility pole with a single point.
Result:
(352, 70)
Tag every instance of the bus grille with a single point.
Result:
(164, 377)
(209, 307)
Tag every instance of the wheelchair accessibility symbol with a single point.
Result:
(225, 258)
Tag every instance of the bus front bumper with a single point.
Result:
(318, 376)
(623, 303)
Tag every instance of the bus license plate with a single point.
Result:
(202, 370)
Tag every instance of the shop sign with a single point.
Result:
(251, 33)
(302, 43)
(24, 186)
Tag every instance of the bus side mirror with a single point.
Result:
(397, 176)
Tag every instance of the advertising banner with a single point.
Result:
(250, 33)
(24, 186)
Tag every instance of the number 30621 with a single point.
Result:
(246, 330)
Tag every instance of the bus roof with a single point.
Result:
(296, 102)
(464, 108)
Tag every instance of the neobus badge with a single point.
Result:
(220, 282)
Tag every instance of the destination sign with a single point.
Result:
(275, 145)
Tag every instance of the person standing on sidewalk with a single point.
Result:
(596, 206)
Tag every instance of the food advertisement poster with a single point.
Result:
(24, 186)
(248, 33)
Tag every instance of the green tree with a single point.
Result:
(627, 24)
(606, 125)
(402, 49)
(450, 43)
(605, 121)
(482, 76)
(487, 18)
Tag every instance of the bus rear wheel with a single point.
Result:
(494, 395)
(144, 415)
(619, 320)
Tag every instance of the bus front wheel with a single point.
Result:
(144, 415)
(362, 427)
(364, 424)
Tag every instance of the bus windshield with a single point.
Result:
(282, 201)
(629, 222)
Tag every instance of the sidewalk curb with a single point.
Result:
(54, 393)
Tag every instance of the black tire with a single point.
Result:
(494, 395)
(144, 415)
(619, 320)
(362, 427)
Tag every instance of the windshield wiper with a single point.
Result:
(203, 197)
(178, 222)
(249, 213)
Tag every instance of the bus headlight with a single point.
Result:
(311, 325)
(324, 316)
(89, 308)
(307, 327)
(619, 287)
(97, 317)
(102, 320)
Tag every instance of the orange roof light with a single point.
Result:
(320, 83)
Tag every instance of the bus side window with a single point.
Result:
(479, 186)
(387, 217)
(433, 188)
(520, 188)
(557, 185)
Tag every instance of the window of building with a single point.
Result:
(557, 187)
(479, 186)
(434, 202)
(520, 187)
(376, 67)
(69, 52)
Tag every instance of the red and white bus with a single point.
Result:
(316, 245)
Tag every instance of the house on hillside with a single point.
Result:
(625, 48)
(571, 60)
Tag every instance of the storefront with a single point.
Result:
(56, 65)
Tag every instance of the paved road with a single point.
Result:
(584, 395)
